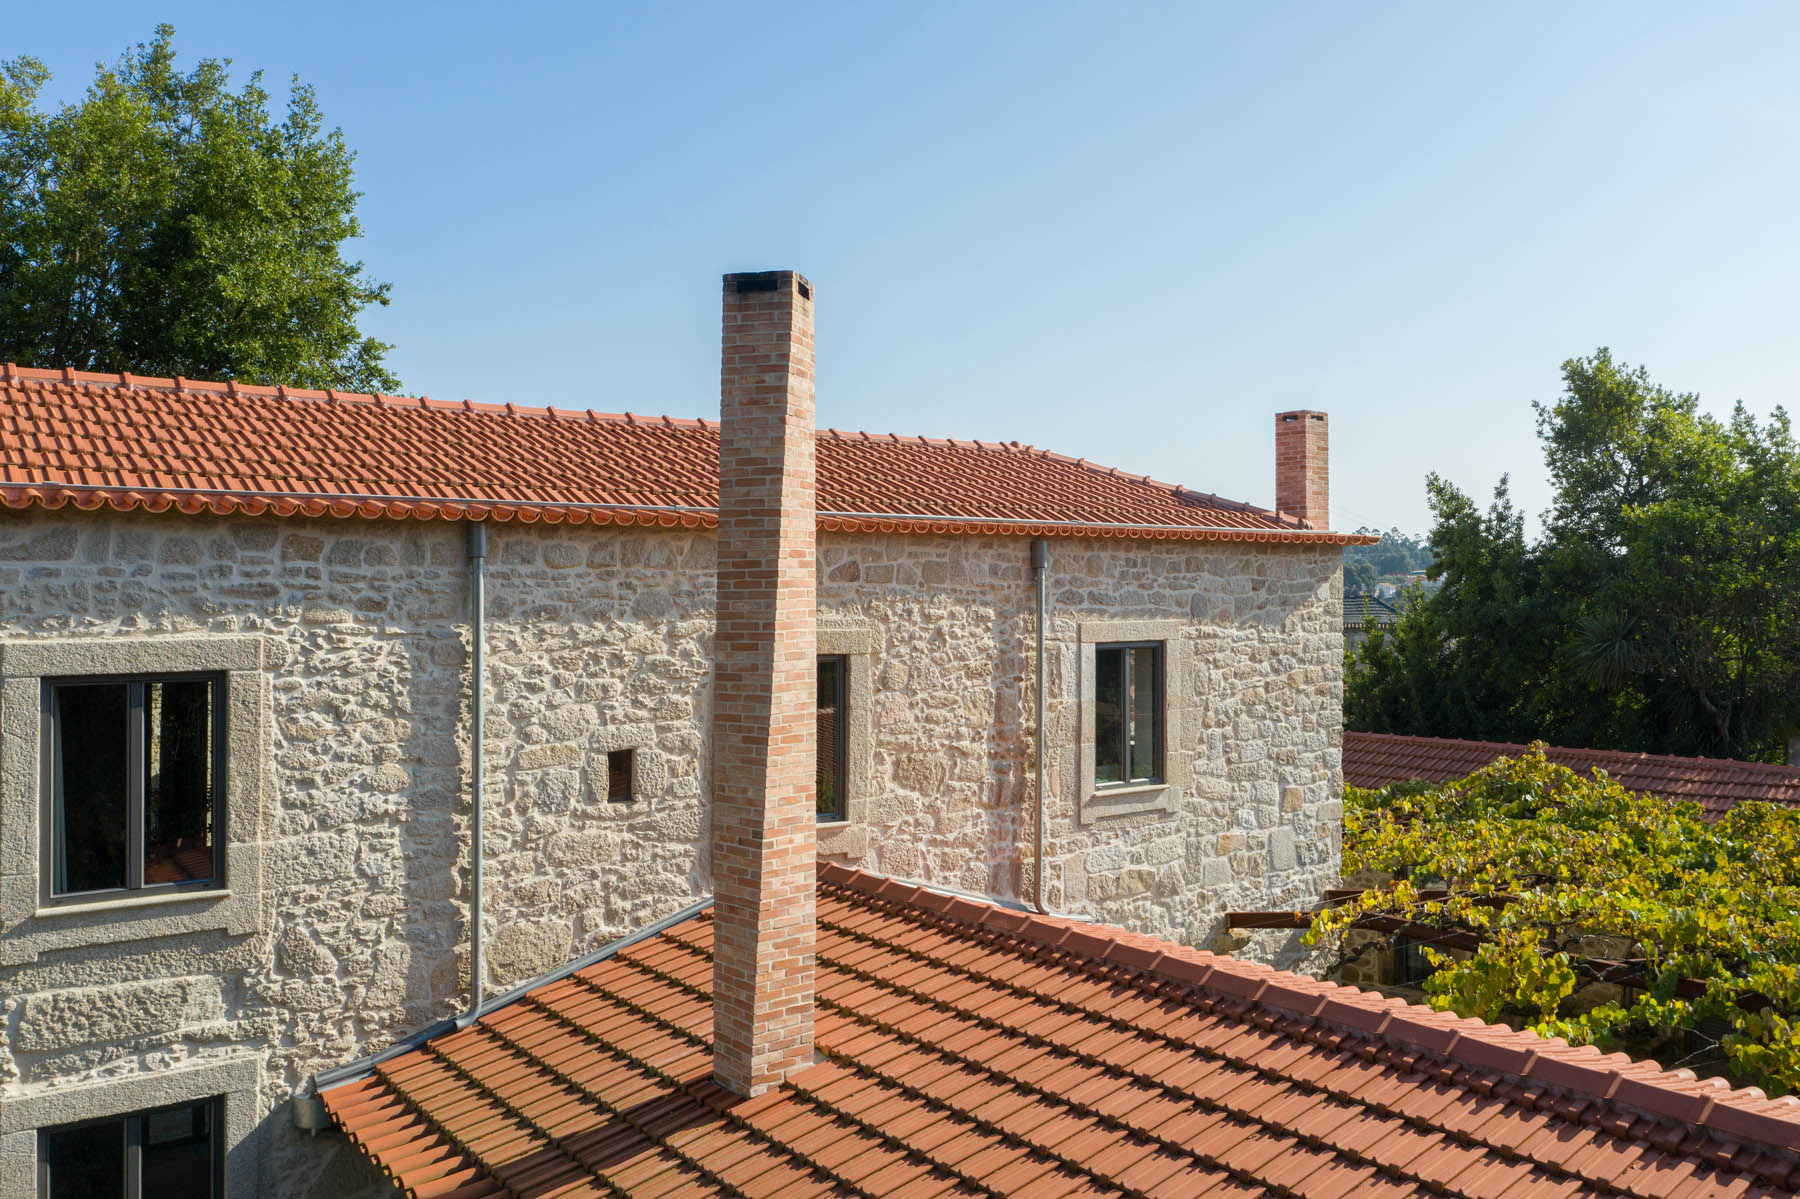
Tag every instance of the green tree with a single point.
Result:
(1659, 610)
(1395, 553)
(168, 225)
(1569, 905)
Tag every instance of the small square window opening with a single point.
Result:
(619, 764)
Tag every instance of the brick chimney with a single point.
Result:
(765, 687)
(1303, 466)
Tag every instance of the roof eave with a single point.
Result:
(52, 495)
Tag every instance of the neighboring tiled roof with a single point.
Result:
(125, 442)
(968, 1049)
(1377, 759)
(1358, 607)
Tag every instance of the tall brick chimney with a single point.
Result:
(1303, 466)
(765, 687)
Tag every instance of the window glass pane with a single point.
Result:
(91, 750)
(831, 739)
(178, 1151)
(84, 1163)
(1109, 715)
(178, 781)
(1146, 707)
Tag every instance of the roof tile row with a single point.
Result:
(1377, 759)
(72, 438)
(969, 1049)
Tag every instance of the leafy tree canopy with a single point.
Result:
(1571, 906)
(1659, 610)
(168, 225)
(1395, 553)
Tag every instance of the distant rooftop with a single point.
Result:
(1377, 759)
(1359, 607)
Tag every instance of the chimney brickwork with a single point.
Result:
(765, 683)
(1303, 466)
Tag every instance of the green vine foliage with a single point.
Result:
(1566, 904)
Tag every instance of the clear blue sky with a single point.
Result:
(1126, 232)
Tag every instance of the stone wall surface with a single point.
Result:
(1257, 826)
(600, 639)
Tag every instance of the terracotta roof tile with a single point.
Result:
(1377, 759)
(87, 440)
(965, 1054)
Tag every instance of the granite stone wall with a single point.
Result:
(1255, 825)
(600, 639)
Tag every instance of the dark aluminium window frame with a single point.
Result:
(1130, 776)
(840, 812)
(50, 823)
(135, 1124)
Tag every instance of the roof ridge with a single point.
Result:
(1742, 1114)
(1204, 497)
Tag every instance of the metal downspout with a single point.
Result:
(1040, 565)
(477, 542)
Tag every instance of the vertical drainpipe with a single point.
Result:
(477, 544)
(1040, 566)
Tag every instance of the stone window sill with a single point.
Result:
(1108, 790)
(133, 901)
(1104, 802)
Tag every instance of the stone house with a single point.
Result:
(819, 1030)
(1359, 609)
(237, 773)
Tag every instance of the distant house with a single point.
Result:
(1377, 759)
(1357, 611)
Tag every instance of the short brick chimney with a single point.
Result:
(1303, 466)
(765, 687)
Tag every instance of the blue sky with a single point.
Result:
(1126, 232)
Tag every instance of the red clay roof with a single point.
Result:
(1377, 759)
(115, 440)
(967, 1049)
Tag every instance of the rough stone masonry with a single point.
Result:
(344, 646)
(601, 639)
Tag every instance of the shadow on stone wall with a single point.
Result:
(393, 943)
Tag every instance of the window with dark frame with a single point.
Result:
(1411, 966)
(169, 1151)
(135, 772)
(1128, 714)
(834, 676)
